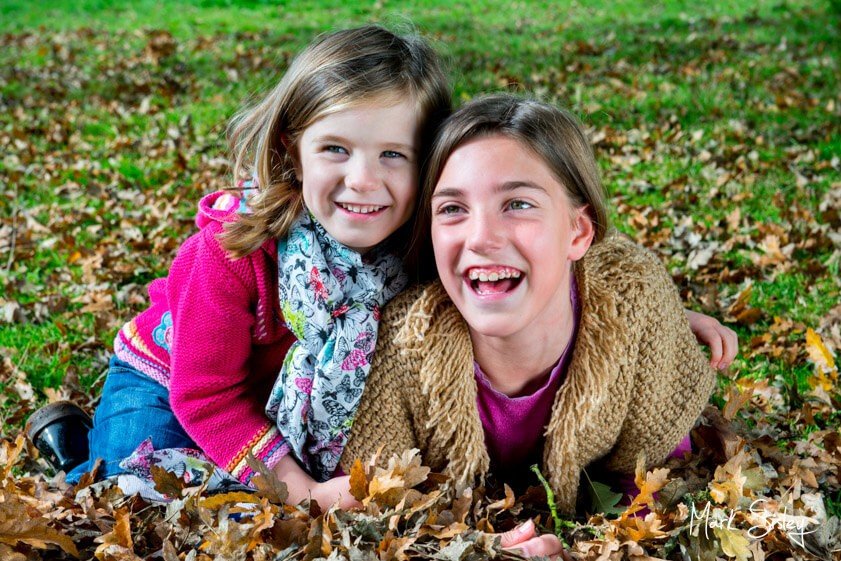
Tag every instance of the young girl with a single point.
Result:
(288, 291)
(548, 338)
(277, 299)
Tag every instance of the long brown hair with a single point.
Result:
(338, 70)
(550, 132)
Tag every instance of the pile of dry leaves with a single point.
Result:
(745, 496)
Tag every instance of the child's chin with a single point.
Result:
(499, 325)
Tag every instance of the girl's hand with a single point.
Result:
(525, 540)
(722, 341)
(337, 489)
(301, 486)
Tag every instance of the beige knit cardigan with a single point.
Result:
(636, 383)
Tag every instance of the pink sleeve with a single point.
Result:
(626, 482)
(212, 300)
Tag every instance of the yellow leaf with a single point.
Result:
(217, 501)
(448, 532)
(318, 540)
(733, 543)
(638, 529)
(9, 454)
(818, 352)
(728, 485)
(737, 396)
(358, 481)
(117, 543)
(825, 370)
(648, 483)
(504, 503)
(388, 486)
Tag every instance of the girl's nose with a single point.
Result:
(484, 234)
(363, 176)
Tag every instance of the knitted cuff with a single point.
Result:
(267, 445)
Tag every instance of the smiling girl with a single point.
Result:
(549, 338)
(279, 293)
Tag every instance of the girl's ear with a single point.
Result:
(583, 231)
(292, 150)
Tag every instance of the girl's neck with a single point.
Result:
(513, 364)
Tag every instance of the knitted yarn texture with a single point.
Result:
(636, 383)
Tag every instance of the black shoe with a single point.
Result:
(60, 431)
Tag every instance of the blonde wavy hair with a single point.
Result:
(339, 70)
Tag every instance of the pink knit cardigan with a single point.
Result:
(214, 336)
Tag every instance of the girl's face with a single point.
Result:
(359, 171)
(505, 236)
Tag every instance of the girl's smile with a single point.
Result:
(493, 281)
(359, 171)
(505, 236)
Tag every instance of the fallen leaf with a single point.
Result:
(733, 543)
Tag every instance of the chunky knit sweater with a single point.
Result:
(635, 385)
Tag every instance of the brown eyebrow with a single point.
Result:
(507, 186)
(447, 192)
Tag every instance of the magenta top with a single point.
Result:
(514, 426)
(214, 335)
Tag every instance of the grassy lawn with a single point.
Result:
(716, 125)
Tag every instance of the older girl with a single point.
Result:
(549, 337)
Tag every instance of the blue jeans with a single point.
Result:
(132, 408)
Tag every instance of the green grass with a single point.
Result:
(682, 94)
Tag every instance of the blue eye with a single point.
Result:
(520, 205)
(392, 154)
(333, 149)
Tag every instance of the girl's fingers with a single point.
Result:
(524, 540)
(518, 534)
(546, 545)
(722, 341)
(731, 347)
(713, 339)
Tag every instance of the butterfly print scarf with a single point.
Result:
(330, 297)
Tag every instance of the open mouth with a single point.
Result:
(361, 209)
(486, 281)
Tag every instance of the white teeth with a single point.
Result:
(484, 276)
(360, 209)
